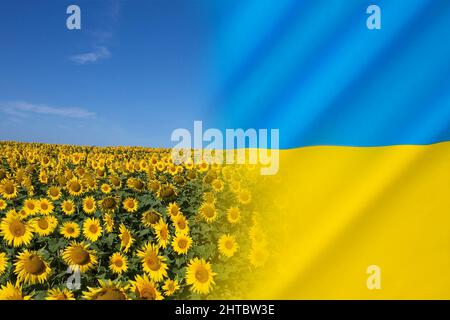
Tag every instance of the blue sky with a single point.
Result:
(138, 69)
(133, 73)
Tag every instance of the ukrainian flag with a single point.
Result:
(362, 196)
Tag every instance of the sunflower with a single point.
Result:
(70, 230)
(78, 256)
(227, 245)
(115, 181)
(12, 292)
(149, 218)
(68, 207)
(105, 188)
(170, 287)
(209, 197)
(22, 214)
(154, 186)
(130, 204)
(172, 169)
(167, 192)
(208, 212)
(90, 182)
(235, 186)
(118, 263)
(108, 221)
(3, 262)
(43, 177)
(45, 225)
(126, 239)
(217, 185)
(74, 187)
(244, 196)
(233, 215)
(258, 256)
(135, 184)
(203, 167)
(109, 204)
(31, 268)
(92, 229)
(8, 189)
(76, 158)
(59, 294)
(54, 193)
(89, 205)
(200, 276)
(108, 290)
(181, 224)
(153, 263)
(15, 231)
(160, 166)
(257, 235)
(162, 233)
(3, 204)
(30, 206)
(181, 243)
(144, 288)
(45, 206)
(173, 209)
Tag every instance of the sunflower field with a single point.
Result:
(115, 223)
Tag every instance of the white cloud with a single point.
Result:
(25, 109)
(91, 57)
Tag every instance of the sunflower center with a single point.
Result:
(61, 296)
(76, 187)
(130, 204)
(153, 262)
(244, 197)
(109, 203)
(125, 238)
(80, 256)
(118, 263)
(209, 212)
(54, 192)
(229, 244)
(167, 192)
(147, 293)
(8, 188)
(34, 265)
(68, 206)
(182, 243)
(89, 204)
(30, 205)
(44, 206)
(151, 217)
(17, 228)
(110, 294)
(70, 230)
(164, 233)
(93, 228)
(181, 224)
(115, 181)
(202, 275)
(138, 185)
(43, 224)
